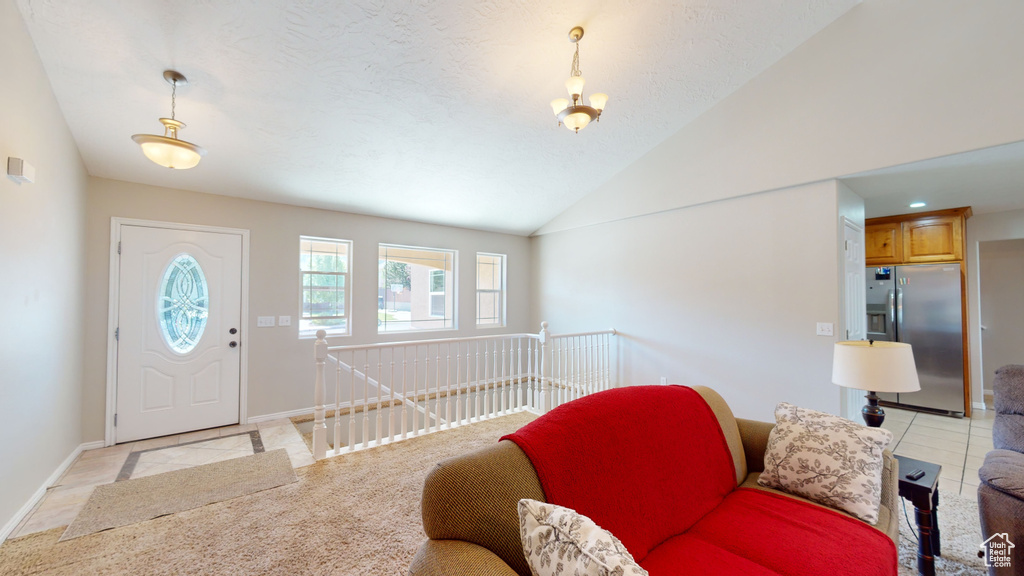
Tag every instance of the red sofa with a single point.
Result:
(669, 471)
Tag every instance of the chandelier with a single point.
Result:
(167, 150)
(574, 115)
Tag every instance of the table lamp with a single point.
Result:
(875, 367)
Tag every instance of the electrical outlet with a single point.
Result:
(264, 321)
(664, 381)
(825, 329)
(284, 320)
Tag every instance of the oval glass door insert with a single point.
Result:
(183, 304)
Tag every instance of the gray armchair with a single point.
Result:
(1001, 493)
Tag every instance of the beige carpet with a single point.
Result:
(353, 514)
(131, 501)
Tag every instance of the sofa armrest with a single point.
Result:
(457, 558)
(754, 435)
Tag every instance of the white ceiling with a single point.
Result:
(426, 110)
(987, 180)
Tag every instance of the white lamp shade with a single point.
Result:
(559, 104)
(170, 152)
(598, 100)
(576, 121)
(575, 85)
(877, 366)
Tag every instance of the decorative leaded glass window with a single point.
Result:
(183, 304)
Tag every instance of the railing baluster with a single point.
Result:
(379, 438)
(337, 408)
(391, 409)
(437, 388)
(351, 403)
(405, 391)
(416, 389)
(458, 383)
(366, 399)
(448, 388)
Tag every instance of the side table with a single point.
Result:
(923, 493)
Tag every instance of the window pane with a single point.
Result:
(183, 304)
(414, 289)
(490, 289)
(324, 271)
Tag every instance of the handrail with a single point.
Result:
(416, 387)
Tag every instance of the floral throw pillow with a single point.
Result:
(826, 459)
(558, 541)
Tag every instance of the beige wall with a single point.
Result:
(281, 365)
(726, 294)
(42, 275)
(1001, 286)
(983, 229)
(887, 83)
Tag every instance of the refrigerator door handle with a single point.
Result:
(899, 314)
(890, 330)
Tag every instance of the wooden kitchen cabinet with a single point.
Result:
(916, 238)
(883, 243)
(935, 239)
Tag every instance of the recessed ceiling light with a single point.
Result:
(917, 205)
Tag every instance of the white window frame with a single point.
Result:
(500, 291)
(432, 294)
(347, 275)
(452, 285)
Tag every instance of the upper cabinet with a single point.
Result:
(916, 238)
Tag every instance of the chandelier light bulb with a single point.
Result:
(559, 104)
(574, 85)
(576, 121)
(597, 101)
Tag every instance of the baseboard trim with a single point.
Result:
(279, 415)
(34, 500)
(979, 406)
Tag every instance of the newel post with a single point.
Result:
(545, 370)
(319, 392)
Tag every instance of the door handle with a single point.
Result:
(899, 314)
(890, 329)
(233, 344)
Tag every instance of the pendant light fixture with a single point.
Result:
(573, 114)
(167, 150)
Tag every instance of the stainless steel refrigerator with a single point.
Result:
(921, 305)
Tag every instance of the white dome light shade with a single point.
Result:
(559, 104)
(576, 121)
(598, 100)
(167, 150)
(575, 86)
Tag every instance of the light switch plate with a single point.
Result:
(264, 321)
(825, 329)
(284, 320)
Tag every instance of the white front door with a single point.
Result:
(179, 313)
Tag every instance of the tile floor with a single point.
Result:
(69, 494)
(958, 445)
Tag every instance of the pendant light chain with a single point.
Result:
(174, 90)
(576, 62)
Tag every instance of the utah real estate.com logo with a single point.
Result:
(997, 550)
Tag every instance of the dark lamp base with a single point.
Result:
(872, 412)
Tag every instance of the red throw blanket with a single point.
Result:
(643, 462)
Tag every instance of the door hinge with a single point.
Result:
(117, 334)
(118, 246)
(847, 247)
(115, 419)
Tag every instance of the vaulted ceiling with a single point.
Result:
(425, 110)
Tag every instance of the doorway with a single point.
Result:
(1001, 299)
(176, 359)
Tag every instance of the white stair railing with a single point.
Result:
(392, 391)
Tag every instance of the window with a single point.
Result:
(324, 265)
(490, 289)
(183, 304)
(416, 288)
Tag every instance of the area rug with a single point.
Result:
(353, 514)
(960, 535)
(133, 501)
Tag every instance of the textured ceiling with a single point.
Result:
(428, 110)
